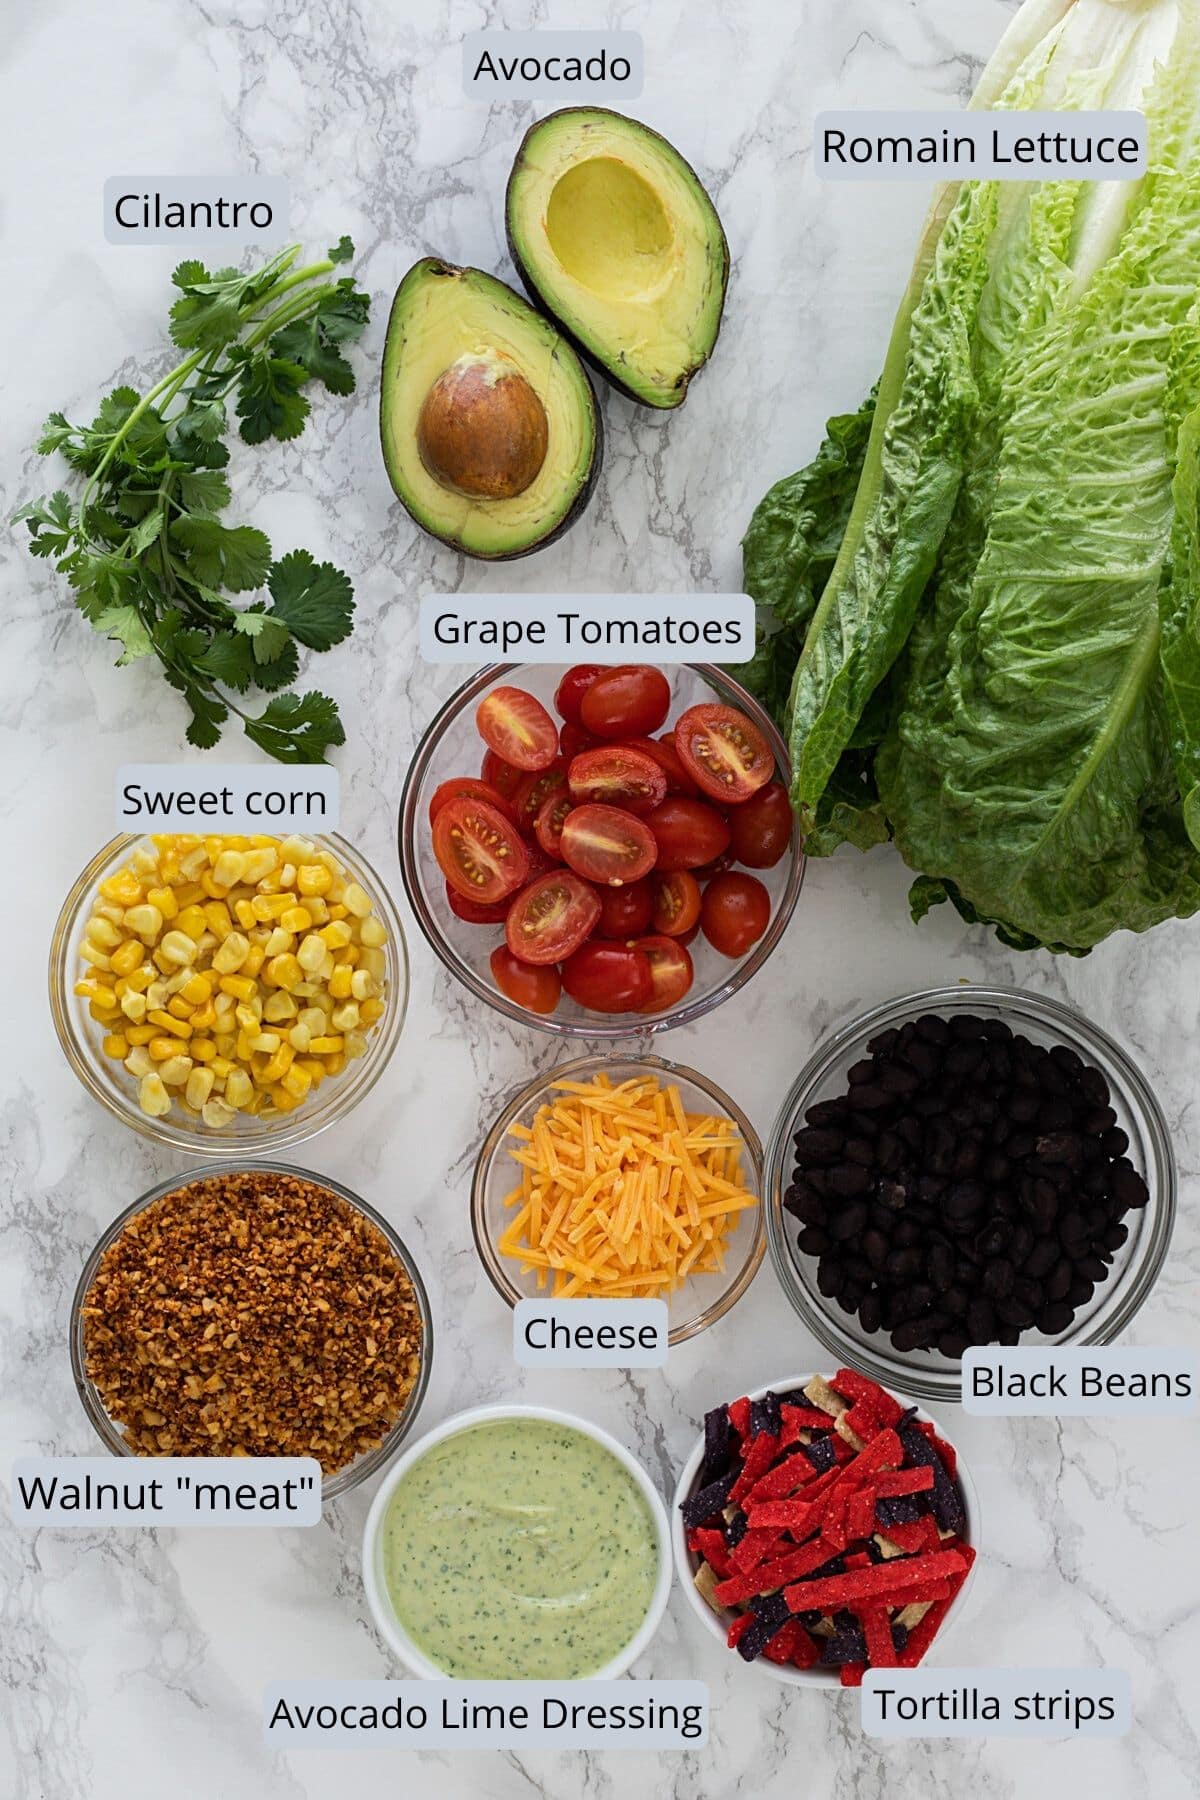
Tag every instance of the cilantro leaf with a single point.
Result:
(280, 672)
(232, 556)
(306, 344)
(269, 401)
(342, 251)
(208, 716)
(269, 636)
(189, 274)
(343, 314)
(314, 600)
(297, 728)
(125, 624)
(228, 659)
(203, 490)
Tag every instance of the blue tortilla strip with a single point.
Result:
(706, 1504)
(945, 1499)
(770, 1615)
(765, 1415)
(820, 1453)
(720, 1444)
(848, 1645)
(898, 1509)
(736, 1529)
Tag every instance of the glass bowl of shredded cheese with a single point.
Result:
(622, 1179)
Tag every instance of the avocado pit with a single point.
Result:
(482, 431)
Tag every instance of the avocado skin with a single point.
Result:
(437, 265)
(530, 286)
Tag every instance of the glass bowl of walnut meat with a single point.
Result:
(253, 1309)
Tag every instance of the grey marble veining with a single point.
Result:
(133, 1664)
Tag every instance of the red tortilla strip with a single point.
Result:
(771, 1575)
(892, 1483)
(880, 1582)
(881, 1651)
(759, 1458)
(853, 1386)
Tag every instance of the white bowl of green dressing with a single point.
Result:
(517, 1543)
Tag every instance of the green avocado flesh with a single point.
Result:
(615, 236)
(444, 317)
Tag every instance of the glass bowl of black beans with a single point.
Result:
(968, 1165)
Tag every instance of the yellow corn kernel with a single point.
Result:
(370, 1012)
(96, 990)
(337, 911)
(123, 888)
(161, 1047)
(166, 900)
(348, 956)
(279, 941)
(216, 1114)
(243, 1050)
(180, 1028)
(300, 1037)
(248, 1014)
(145, 920)
(238, 1088)
(313, 1067)
(356, 1044)
(240, 986)
(175, 1070)
(141, 978)
(144, 861)
(219, 921)
(177, 949)
(202, 1049)
(230, 953)
(103, 932)
(311, 953)
(191, 920)
(179, 1009)
(153, 1097)
(257, 864)
(317, 909)
(255, 957)
(199, 1086)
(278, 1007)
(336, 1063)
(337, 934)
(222, 1068)
(268, 907)
(125, 960)
(313, 878)
(281, 1100)
(279, 1064)
(265, 1043)
(296, 919)
(138, 1063)
(116, 1045)
(339, 983)
(196, 989)
(296, 1081)
(373, 933)
(244, 912)
(325, 1046)
(345, 1018)
(226, 1042)
(228, 868)
(363, 985)
(284, 971)
(140, 1034)
(357, 901)
(204, 1017)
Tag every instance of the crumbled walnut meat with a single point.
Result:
(252, 1314)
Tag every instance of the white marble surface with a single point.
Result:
(133, 1664)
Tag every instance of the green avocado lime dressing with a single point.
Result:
(519, 1549)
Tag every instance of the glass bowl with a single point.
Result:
(701, 1299)
(384, 1613)
(452, 747)
(363, 1466)
(1135, 1267)
(717, 1625)
(108, 1081)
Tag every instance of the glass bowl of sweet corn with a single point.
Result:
(221, 992)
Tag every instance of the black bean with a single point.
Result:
(849, 1179)
(829, 1274)
(1055, 1318)
(1042, 1257)
(847, 1221)
(963, 1199)
(1073, 1230)
(909, 1335)
(955, 1301)
(883, 1041)
(1091, 1268)
(827, 1112)
(813, 1241)
(875, 1247)
(909, 1131)
(1064, 1147)
(995, 1169)
(1058, 1281)
(933, 1029)
(899, 1078)
(997, 1030)
(964, 1026)
(859, 1150)
(903, 1264)
(981, 1320)
(1068, 1060)
(862, 1124)
(1098, 1121)
(1023, 1106)
(1015, 1312)
(861, 1072)
(923, 1058)
(998, 1276)
(1115, 1235)
(953, 1343)
(907, 1231)
(870, 1097)
(940, 1266)
(818, 1146)
(807, 1205)
(1093, 1087)
(1114, 1142)
(1080, 1292)
(1126, 1185)
(870, 1313)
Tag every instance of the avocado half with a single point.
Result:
(491, 434)
(615, 236)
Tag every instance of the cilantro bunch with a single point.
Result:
(144, 547)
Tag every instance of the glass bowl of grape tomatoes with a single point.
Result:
(601, 850)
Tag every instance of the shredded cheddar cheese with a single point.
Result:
(623, 1194)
